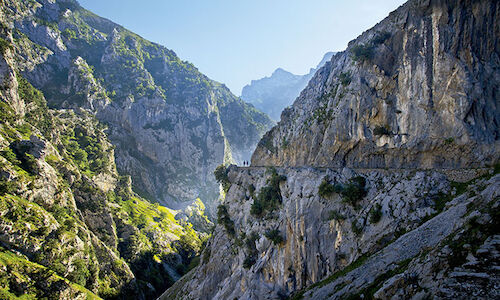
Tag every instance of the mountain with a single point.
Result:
(272, 94)
(381, 181)
(71, 226)
(102, 135)
(170, 124)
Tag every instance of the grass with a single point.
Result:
(367, 292)
(22, 270)
(354, 265)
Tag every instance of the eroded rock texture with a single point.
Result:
(420, 89)
(385, 185)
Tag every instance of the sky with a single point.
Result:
(236, 41)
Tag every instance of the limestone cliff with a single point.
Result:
(70, 226)
(170, 124)
(381, 181)
(405, 237)
(418, 90)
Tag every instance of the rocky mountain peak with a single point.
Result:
(272, 94)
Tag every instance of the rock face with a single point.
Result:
(70, 225)
(272, 94)
(378, 183)
(170, 124)
(323, 236)
(420, 89)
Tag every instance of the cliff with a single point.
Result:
(170, 124)
(71, 226)
(418, 90)
(381, 181)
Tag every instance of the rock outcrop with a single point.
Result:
(170, 124)
(339, 249)
(418, 90)
(272, 94)
(381, 181)
(70, 226)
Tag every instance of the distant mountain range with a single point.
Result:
(272, 94)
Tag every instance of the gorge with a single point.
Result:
(121, 177)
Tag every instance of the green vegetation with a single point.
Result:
(356, 228)
(275, 236)
(380, 37)
(381, 130)
(4, 45)
(354, 190)
(345, 78)
(224, 219)
(269, 197)
(376, 214)
(367, 292)
(365, 52)
(325, 188)
(449, 141)
(362, 52)
(252, 253)
(220, 174)
(87, 150)
(335, 215)
(17, 282)
(38, 115)
(474, 234)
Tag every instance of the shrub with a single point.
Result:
(251, 257)
(38, 115)
(7, 187)
(362, 52)
(381, 130)
(251, 189)
(29, 164)
(345, 78)
(274, 236)
(355, 190)
(9, 155)
(381, 37)
(80, 273)
(325, 189)
(335, 215)
(4, 45)
(269, 197)
(220, 174)
(376, 214)
(224, 219)
(249, 262)
(356, 228)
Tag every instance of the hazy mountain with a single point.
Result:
(272, 94)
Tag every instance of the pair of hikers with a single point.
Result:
(246, 163)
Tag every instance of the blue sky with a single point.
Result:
(235, 41)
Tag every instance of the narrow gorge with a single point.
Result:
(122, 171)
(381, 180)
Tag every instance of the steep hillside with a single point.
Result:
(71, 227)
(418, 90)
(170, 124)
(272, 94)
(381, 181)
